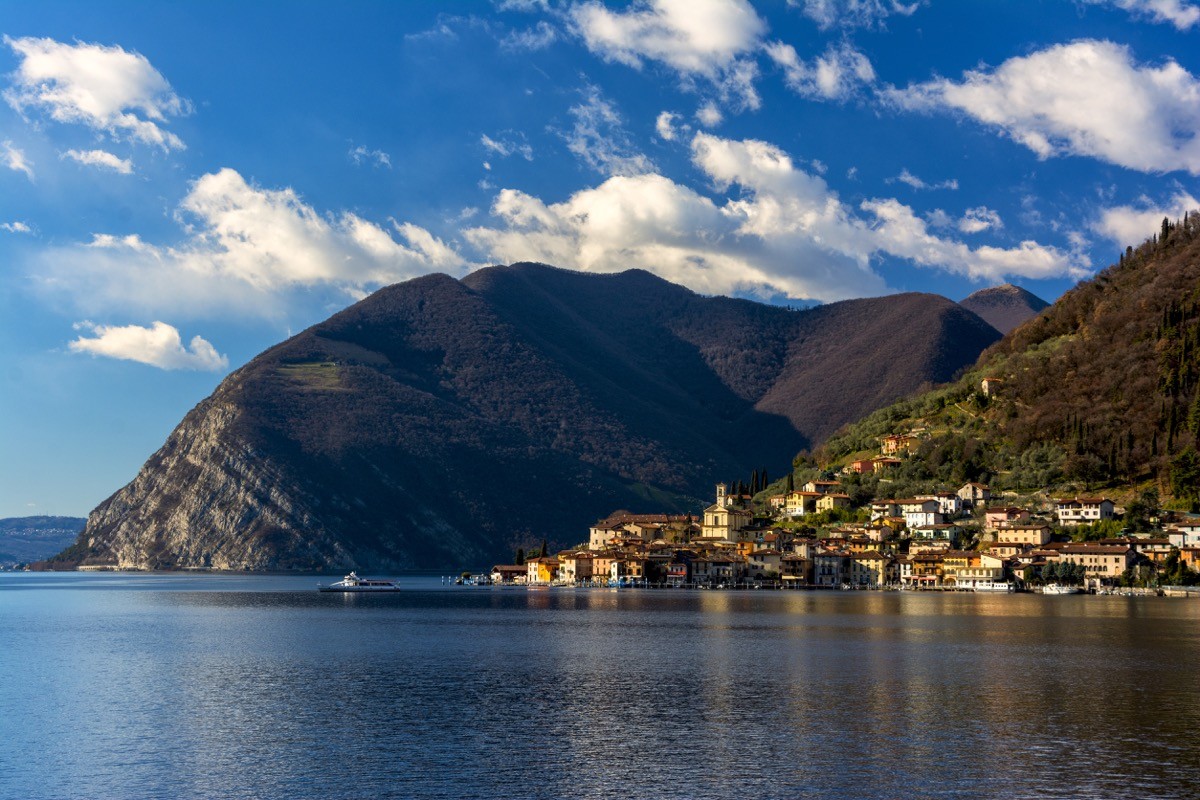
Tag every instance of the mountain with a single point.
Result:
(1004, 307)
(27, 539)
(1099, 393)
(443, 422)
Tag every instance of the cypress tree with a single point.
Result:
(791, 482)
(519, 557)
(544, 551)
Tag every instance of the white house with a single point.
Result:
(1083, 510)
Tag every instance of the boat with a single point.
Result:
(998, 586)
(1058, 588)
(353, 583)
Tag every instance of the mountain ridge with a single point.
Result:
(439, 421)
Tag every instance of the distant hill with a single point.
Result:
(439, 422)
(1004, 307)
(1101, 392)
(27, 539)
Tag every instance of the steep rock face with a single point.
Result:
(440, 422)
(1004, 307)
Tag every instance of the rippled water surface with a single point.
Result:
(228, 686)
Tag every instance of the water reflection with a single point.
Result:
(245, 688)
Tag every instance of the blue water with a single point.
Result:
(115, 686)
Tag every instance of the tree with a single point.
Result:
(544, 551)
(791, 482)
(519, 557)
(1185, 475)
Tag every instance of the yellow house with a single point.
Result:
(829, 502)
(541, 570)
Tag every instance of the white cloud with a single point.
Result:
(699, 39)
(709, 115)
(785, 233)
(524, 5)
(102, 159)
(539, 37)
(246, 247)
(16, 226)
(1181, 14)
(1085, 98)
(105, 88)
(664, 126)
(159, 346)
(362, 154)
(853, 13)
(15, 159)
(1131, 225)
(838, 74)
(900, 232)
(505, 147)
(909, 179)
(979, 219)
(599, 139)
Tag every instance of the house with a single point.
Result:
(575, 567)
(883, 463)
(918, 511)
(823, 487)
(982, 571)
(1181, 538)
(1034, 534)
(882, 509)
(1083, 510)
(795, 569)
(764, 564)
(995, 517)
(777, 502)
(943, 536)
(604, 533)
(862, 466)
(954, 561)
(949, 503)
(1008, 549)
(509, 573)
(973, 494)
(627, 568)
(541, 571)
(831, 568)
(871, 568)
(829, 502)
(925, 570)
(990, 386)
(800, 503)
(897, 443)
(877, 533)
(1101, 562)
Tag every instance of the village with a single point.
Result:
(958, 539)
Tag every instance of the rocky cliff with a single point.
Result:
(439, 423)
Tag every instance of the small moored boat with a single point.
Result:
(353, 583)
(1058, 588)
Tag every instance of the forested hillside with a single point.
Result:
(1100, 391)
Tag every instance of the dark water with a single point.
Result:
(215, 686)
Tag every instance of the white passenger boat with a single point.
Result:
(998, 586)
(353, 583)
(1058, 588)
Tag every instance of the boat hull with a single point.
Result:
(359, 589)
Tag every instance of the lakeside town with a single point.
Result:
(812, 537)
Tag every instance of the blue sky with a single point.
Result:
(183, 185)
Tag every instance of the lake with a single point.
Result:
(148, 685)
